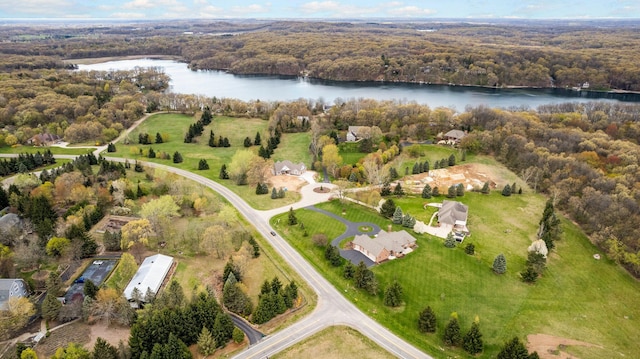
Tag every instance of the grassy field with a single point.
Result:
(578, 297)
(292, 147)
(335, 342)
(54, 150)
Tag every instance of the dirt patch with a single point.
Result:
(321, 189)
(472, 176)
(550, 347)
(76, 332)
(111, 333)
(291, 183)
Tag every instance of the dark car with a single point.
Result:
(79, 280)
(273, 233)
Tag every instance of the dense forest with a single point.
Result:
(545, 54)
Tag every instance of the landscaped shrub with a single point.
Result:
(500, 264)
(470, 249)
(427, 321)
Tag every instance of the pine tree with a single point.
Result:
(397, 215)
(398, 191)
(238, 335)
(426, 191)
(257, 141)
(292, 217)
(152, 153)
(158, 137)
(485, 188)
(443, 163)
(393, 173)
(460, 190)
(500, 264)
(274, 193)
(450, 242)
(452, 333)
(365, 279)
(435, 192)
(451, 192)
(349, 270)
(103, 350)
(452, 160)
(223, 172)
(393, 295)
(472, 341)
(177, 157)
(247, 142)
(470, 249)
(506, 191)
(388, 208)
(90, 289)
(50, 307)
(203, 165)
(212, 139)
(417, 167)
(529, 275)
(427, 321)
(513, 349)
(385, 190)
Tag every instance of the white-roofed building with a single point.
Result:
(150, 275)
(287, 167)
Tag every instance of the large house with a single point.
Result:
(43, 139)
(384, 246)
(454, 215)
(354, 133)
(12, 288)
(150, 276)
(287, 167)
(454, 135)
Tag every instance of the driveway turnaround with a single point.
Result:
(353, 229)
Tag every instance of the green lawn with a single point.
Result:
(54, 150)
(578, 297)
(292, 146)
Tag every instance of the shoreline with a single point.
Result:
(97, 60)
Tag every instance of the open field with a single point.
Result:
(55, 150)
(335, 342)
(292, 146)
(577, 298)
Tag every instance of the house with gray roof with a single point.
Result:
(355, 133)
(12, 288)
(454, 215)
(287, 167)
(150, 275)
(385, 245)
(454, 135)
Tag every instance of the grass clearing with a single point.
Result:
(578, 297)
(293, 147)
(335, 342)
(54, 150)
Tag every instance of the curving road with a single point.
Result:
(332, 308)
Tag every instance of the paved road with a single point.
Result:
(253, 334)
(332, 308)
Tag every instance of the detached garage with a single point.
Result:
(150, 275)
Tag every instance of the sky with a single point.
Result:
(332, 9)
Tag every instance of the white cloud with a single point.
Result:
(410, 11)
(139, 4)
(47, 7)
(251, 9)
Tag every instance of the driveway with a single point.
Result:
(353, 228)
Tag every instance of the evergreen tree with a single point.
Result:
(408, 221)
(50, 307)
(393, 295)
(452, 336)
(472, 341)
(443, 163)
(206, 342)
(365, 279)
(426, 191)
(417, 167)
(397, 215)
(222, 329)
(450, 242)
(212, 139)
(237, 335)
(247, 142)
(292, 217)
(274, 193)
(427, 321)
(353, 177)
(506, 191)
(451, 192)
(470, 249)
(223, 172)
(332, 254)
(388, 208)
(175, 348)
(152, 153)
(103, 350)
(231, 268)
(435, 192)
(460, 190)
(529, 275)
(111, 147)
(425, 166)
(398, 191)
(393, 173)
(385, 190)
(203, 165)
(226, 143)
(349, 270)
(513, 349)
(90, 289)
(500, 264)
(177, 157)
(452, 160)
(257, 141)
(436, 165)
(485, 188)
(158, 137)
(281, 193)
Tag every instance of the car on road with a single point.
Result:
(273, 233)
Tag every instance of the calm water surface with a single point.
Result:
(276, 88)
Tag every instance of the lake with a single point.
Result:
(280, 88)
